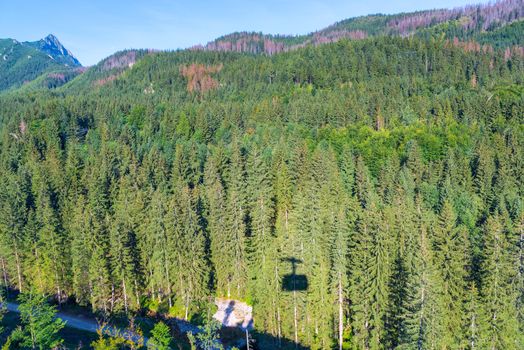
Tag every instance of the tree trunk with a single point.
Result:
(125, 294)
(39, 271)
(112, 296)
(166, 264)
(473, 327)
(279, 330)
(5, 277)
(295, 321)
(18, 270)
(187, 309)
(340, 313)
(136, 295)
(104, 302)
(151, 282)
(91, 293)
(58, 291)
(420, 342)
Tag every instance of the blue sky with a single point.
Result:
(94, 29)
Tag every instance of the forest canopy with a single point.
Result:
(388, 170)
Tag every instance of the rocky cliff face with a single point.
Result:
(51, 46)
(234, 313)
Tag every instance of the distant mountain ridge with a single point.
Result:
(471, 20)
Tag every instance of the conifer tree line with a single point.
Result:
(398, 192)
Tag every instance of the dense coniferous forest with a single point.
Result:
(386, 173)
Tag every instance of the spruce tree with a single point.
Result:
(235, 216)
(50, 247)
(155, 242)
(285, 242)
(216, 209)
(262, 248)
(160, 337)
(80, 251)
(450, 244)
(13, 217)
(499, 296)
(186, 242)
(39, 326)
(123, 247)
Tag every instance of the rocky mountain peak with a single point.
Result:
(54, 48)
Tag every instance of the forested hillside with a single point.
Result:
(383, 174)
(461, 22)
(46, 64)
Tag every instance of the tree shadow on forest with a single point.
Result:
(293, 282)
(264, 341)
(257, 340)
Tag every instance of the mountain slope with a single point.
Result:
(478, 27)
(495, 24)
(107, 70)
(470, 21)
(22, 62)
